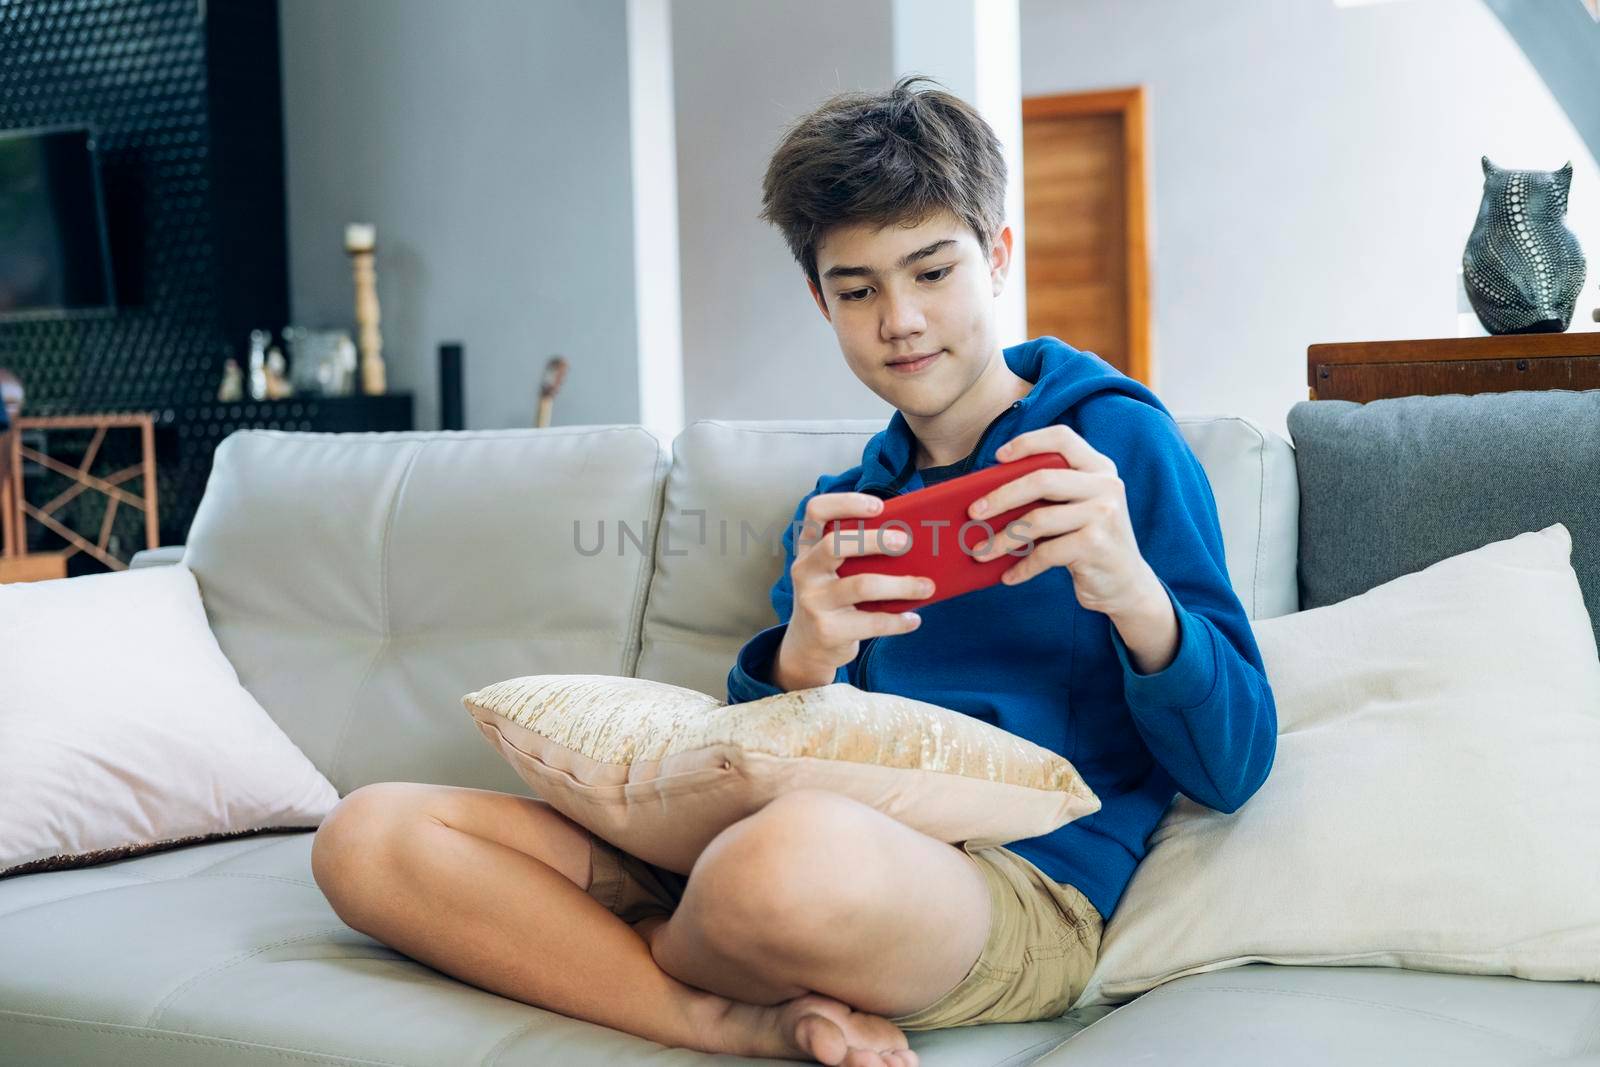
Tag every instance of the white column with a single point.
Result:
(973, 47)
(655, 216)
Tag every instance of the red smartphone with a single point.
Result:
(943, 536)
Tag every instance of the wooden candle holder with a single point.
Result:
(361, 242)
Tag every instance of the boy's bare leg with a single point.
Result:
(821, 892)
(425, 870)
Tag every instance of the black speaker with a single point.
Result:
(452, 415)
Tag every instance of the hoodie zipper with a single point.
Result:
(894, 491)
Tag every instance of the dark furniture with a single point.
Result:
(1375, 370)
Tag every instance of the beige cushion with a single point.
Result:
(123, 728)
(659, 770)
(1433, 804)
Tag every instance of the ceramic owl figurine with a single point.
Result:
(1523, 266)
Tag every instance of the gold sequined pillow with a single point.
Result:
(659, 770)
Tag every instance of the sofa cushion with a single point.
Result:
(1391, 486)
(659, 770)
(360, 583)
(1267, 1016)
(710, 589)
(228, 953)
(1432, 804)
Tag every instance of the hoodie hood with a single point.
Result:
(1063, 378)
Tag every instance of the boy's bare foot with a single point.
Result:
(816, 1029)
(812, 1027)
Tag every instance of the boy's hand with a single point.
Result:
(1090, 534)
(826, 628)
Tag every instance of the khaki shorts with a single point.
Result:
(1044, 936)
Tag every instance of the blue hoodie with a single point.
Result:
(1031, 660)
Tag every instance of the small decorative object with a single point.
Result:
(321, 361)
(555, 372)
(232, 387)
(361, 241)
(1523, 265)
(278, 386)
(258, 364)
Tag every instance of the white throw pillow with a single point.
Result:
(123, 728)
(1434, 803)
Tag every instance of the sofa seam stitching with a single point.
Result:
(383, 610)
(1591, 1041)
(1261, 512)
(493, 1055)
(212, 866)
(232, 961)
(641, 598)
(252, 874)
(1397, 1008)
(140, 880)
(183, 1037)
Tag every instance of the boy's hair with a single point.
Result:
(882, 158)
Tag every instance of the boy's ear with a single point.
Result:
(816, 294)
(1000, 258)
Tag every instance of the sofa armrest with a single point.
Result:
(164, 556)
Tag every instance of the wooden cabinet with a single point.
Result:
(1374, 370)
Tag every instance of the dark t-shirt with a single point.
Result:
(930, 475)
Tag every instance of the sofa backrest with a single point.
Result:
(706, 599)
(1396, 485)
(362, 583)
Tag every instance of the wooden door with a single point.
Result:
(1084, 224)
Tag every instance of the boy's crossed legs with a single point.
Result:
(815, 892)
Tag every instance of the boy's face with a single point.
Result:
(883, 305)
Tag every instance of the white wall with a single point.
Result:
(754, 344)
(1314, 175)
(1314, 171)
(489, 143)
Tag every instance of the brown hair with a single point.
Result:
(896, 156)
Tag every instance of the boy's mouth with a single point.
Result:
(914, 364)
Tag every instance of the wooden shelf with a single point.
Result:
(1374, 370)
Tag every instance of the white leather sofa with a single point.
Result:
(362, 583)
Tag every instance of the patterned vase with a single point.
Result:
(1523, 266)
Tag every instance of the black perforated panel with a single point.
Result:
(137, 71)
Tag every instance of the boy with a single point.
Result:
(1117, 641)
(819, 928)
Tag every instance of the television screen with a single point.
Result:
(54, 256)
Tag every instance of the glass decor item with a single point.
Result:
(1523, 266)
(321, 361)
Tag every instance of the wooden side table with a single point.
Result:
(1375, 370)
(16, 510)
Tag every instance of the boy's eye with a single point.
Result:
(860, 294)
